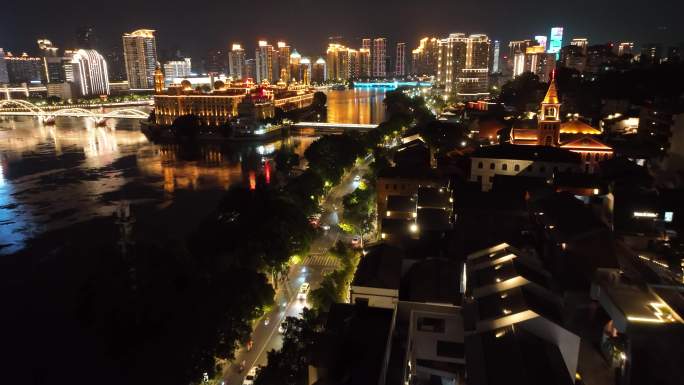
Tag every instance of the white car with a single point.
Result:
(249, 378)
(281, 328)
(357, 178)
(303, 290)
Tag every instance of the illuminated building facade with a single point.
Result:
(379, 57)
(177, 69)
(305, 71)
(23, 69)
(337, 63)
(541, 40)
(236, 62)
(264, 56)
(4, 76)
(53, 64)
(90, 73)
(283, 69)
(140, 56)
(366, 43)
(364, 63)
(319, 71)
(496, 57)
(625, 48)
(223, 104)
(539, 62)
(250, 69)
(463, 66)
(400, 60)
(582, 43)
(556, 41)
(425, 57)
(574, 135)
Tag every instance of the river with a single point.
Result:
(61, 183)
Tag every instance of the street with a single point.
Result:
(266, 337)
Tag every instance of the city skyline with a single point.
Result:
(408, 23)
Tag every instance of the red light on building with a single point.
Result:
(267, 172)
(252, 180)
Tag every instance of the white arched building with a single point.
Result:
(90, 73)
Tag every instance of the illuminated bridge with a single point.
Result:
(322, 126)
(23, 108)
(393, 84)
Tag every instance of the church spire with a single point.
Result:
(549, 116)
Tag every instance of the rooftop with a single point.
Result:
(433, 280)
(431, 197)
(401, 203)
(514, 356)
(524, 152)
(380, 267)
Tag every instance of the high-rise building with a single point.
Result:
(400, 60)
(379, 57)
(23, 69)
(580, 42)
(651, 53)
(236, 62)
(283, 70)
(539, 62)
(496, 57)
(319, 71)
(364, 63)
(625, 48)
(116, 65)
(305, 70)
(296, 66)
(473, 83)
(556, 41)
(177, 69)
(86, 38)
(264, 56)
(337, 63)
(573, 57)
(4, 76)
(53, 64)
(463, 66)
(541, 40)
(90, 73)
(424, 58)
(216, 61)
(250, 69)
(140, 56)
(354, 63)
(366, 43)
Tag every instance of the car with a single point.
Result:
(249, 378)
(281, 327)
(357, 178)
(325, 227)
(303, 290)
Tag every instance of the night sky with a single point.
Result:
(195, 26)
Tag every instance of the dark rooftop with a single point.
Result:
(361, 335)
(431, 197)
(380, 267)
(433, 220)
(401, 203)
(514, 356)
(433, 280)
(412, 172)
(533, 153)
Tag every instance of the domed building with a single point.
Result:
(573, 135)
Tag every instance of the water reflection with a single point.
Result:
(362, 106)
(53, 176)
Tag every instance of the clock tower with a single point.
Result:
(549, 117)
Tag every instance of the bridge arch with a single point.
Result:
(22, 104)
(127, 112)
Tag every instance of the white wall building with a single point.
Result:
(177, 69)
(90, 73)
